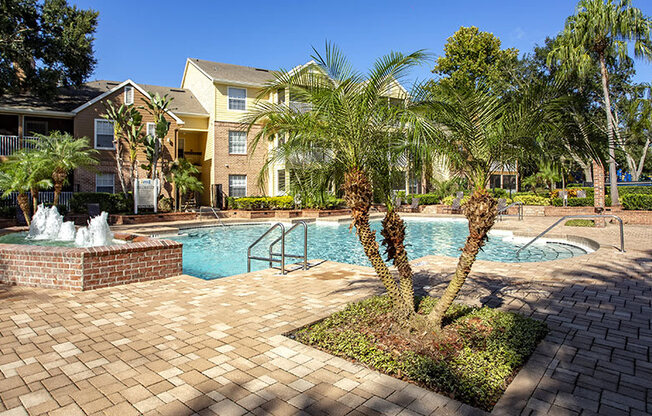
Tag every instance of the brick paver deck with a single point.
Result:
(182, 346)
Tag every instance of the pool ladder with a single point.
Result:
(280, 257)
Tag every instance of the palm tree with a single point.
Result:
(39, 174)
(128, 128)
(62, 154)
(343, 120)
(16, 176)
(597, 33)
(477, 131)
(183, 176)
(157, 106)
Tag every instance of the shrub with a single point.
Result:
(424, 199)
(580, 223)
(165, 204)
(261, 203)
(8, 212)
(111, 203)
(473, 360)
(532, 200)
(449, 200)
(572, 192)
(579, 202)
(627, 190)
(637, 201)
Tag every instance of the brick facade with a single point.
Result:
(85, 127)
(78, 269)
(226, 164)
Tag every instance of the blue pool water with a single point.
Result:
(216, 252)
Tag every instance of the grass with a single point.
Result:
(473, 359)
(580, 223)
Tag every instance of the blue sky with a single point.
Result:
(149, 40)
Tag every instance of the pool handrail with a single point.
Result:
(305, 245)
(622, 233)
(505, 209)
(252, 245)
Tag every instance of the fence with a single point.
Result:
(44, 197)
(10, 144)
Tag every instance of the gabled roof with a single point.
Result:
(233, 74)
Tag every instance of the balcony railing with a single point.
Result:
(10, 144)
(44, 197)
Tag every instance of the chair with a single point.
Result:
(501, 208)
(414, 206)
(456, 206)
(398, 201)
(459, 195)
(581, 193)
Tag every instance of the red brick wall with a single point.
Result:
(89, 268)
(248, 164)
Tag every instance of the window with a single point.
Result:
(33, 127)
(280, 181)
(237, 142)
(129, 95)
(238, 186)
(103, 134)
(237, 99)
(104, 182)
(151, 129)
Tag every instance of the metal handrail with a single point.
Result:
(269, 230)
(219, 220)
(520, 210)
(305, 245)
(622, 233)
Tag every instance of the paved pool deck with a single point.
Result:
(184, 346)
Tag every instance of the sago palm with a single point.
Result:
(63, 153)
(343, 119)
(598, 32)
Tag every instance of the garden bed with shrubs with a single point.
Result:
(472, 359)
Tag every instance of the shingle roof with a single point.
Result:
(71, 98)
(234, 73)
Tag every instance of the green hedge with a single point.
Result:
(637, 201)
(424, 199)
(261, 203)
(628, 190)
(579, 202)
(529, 199)
(111, 203)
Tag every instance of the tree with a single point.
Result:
(62, 154)
(345, 118)
(128, 128)
(599, 32)
(39, 174)
(16, 176)
(476, 130)
(472, 57)
(634, 120)
(157, 106)
(183, 176)
(44, 46)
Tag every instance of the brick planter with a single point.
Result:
(119, 219)
(90, 268)
(318, 213)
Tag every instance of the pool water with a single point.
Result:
(215, 252)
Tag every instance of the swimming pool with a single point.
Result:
(215, 252)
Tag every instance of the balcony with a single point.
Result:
(10, 144)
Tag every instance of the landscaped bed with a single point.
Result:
(473, 359)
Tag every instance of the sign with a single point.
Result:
(146, 194)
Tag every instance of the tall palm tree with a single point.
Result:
(344, 118)
(599, 31)
(478, 131)
(63, 153)
(157, 106)
(128, 129)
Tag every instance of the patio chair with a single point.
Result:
(459, 195)
(398, 201)
(581, 193)
(93, 210)
(414, 206)
(455, 208)
(501, 208)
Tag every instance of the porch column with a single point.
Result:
(21, 122)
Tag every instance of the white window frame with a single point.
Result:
(95, 135)
(245, 185)
(228, 99)
(153, 126)
(129, 95)
(111, 175)
(279, 191)
(245, 142)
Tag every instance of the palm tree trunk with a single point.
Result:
(118, 163)
(358, 196)
(34, 193)
(613, 179)
(480, 210)
(23, 203)
(393, 233)
(58, 178)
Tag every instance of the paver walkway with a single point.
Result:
(183, 345)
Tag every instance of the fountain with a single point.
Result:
(48, 224)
